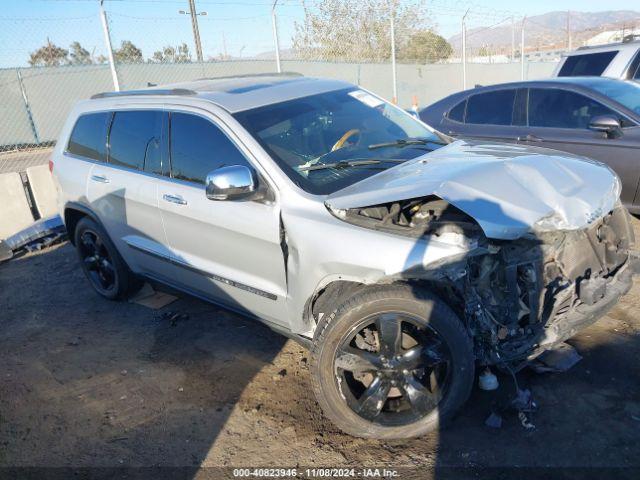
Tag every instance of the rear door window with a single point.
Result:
(589, 64)
(491, 108)
(135, 139)
(198, 146)
(557, 108)
(89, 136)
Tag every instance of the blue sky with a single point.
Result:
(239, 27)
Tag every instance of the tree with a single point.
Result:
(484, 51)
(183, 55)
(79, 55)
(49, 55)
(425, 46)
(170, 54)
(128, 53)
(159, 56)
(354, 29)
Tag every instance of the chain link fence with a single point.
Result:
(392, 47)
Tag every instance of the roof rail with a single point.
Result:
(626, 39)
(150, 91)
(254, 75)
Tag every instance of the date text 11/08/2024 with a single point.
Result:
(315, 473)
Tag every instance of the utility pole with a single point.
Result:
(194, 25)
(224, 47)
(107, 41)
(513, 40)
(568, 29)
(394, 73)
(522, 49)
(464, 50)
(274, 25)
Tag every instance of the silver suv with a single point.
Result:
(403, 260)
(616, 60)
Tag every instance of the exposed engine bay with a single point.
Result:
(520, 297)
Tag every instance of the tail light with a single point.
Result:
(50, 165)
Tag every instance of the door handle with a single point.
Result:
(529, 138)
(177, 199)
(99, 178)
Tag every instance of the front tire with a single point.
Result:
(102, 264)
(391, 362)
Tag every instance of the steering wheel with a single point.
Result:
(343, 139)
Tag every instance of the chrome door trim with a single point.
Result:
(213, 276)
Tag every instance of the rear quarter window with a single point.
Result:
(588, 64)
(457, 113)
(89, 136)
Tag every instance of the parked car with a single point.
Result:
(619, 60)
(400, 259)
(593, 117)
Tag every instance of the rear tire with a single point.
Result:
(391, 362)
(102, 264)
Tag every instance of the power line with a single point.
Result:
(174, 2)
(484, 29)
(173, 18)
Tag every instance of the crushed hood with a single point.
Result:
(507, 189)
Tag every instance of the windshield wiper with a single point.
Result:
(404, 142)
(350, 163)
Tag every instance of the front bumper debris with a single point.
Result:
(533, 293)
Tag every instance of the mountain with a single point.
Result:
(548, 30)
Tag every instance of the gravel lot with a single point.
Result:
(91, 383)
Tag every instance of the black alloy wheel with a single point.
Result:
(392, 369)
(391, 362)
(97, 262)
(101, 262)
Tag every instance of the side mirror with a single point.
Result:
(235, 182)
(607, 124)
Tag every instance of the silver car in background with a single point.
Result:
(401, 259)
(619, 60)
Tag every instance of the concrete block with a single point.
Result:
(15, 213)
(43, 189)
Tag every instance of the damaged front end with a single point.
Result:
(517, 297)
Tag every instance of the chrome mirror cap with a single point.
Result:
(235, 182)
(606, 123)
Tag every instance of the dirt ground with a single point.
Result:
(90, 383)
